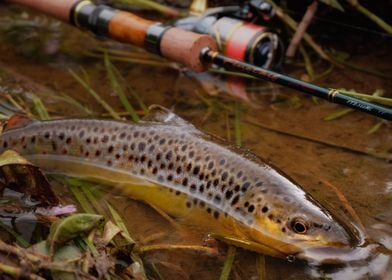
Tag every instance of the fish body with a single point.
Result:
(168, 163)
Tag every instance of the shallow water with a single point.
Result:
(284, 127)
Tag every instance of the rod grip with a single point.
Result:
(59, 9)
(185, 47)
(129, 28)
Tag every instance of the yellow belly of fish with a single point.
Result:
(225, 228)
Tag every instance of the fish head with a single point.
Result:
(295, 225)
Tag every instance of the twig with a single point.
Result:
(260, 266)
(346, 205)
(307, 18)
(17, 272)
(382, 156)
(377, 20)
(294, 25)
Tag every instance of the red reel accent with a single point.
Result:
(237, 44)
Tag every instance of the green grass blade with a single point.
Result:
(40, 108)
(95, 95)
(78, 194)
(118, 89)
(228, 263)
(19, 239)
(237, 124)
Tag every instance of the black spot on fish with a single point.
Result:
(239, 174)
(216, 182)
(162, 141)
(191, 154)
(209, 210)
(47, 135)
(149, 163)
(110, 149)
(105, 139)
(235, 200)
(178, 170)
(125, 147)
(184, 147)
(155, 170)
(88, 140)
(97, 153)
(32, 141)
(193, 188)
(122, 135)
(61, 136)
(228, 194)
(81, 134)
(196, 170)
(170, 166)
(109, 162)
(237, 188)
(158, 156)
(151, 148)
(210, 165)
(68, 140)
(217, 199)
(201, 188)
(264, 209)
(251, 208)
(188, 204)
(245, 186)
(169, 155)
(216, 214)
(185, 182)
(169, 177)
(142, 146)
(224, 176)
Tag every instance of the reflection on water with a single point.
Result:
(282, 126)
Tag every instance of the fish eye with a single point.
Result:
(299, 226)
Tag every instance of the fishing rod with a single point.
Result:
(196, 51)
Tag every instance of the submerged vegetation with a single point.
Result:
(94, 239)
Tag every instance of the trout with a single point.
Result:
(166, 162)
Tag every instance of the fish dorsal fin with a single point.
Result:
(161, 114)
(17, 120)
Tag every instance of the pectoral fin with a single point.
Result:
(249, 245)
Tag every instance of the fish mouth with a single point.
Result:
(316, 252)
